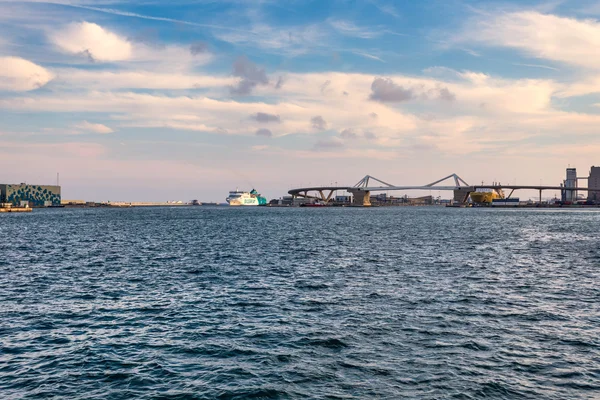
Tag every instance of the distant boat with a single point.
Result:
(317, 204)
(241, 198)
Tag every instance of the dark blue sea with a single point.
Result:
(336, 303)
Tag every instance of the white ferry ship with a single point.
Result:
(241, 198)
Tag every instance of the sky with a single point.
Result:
(152, 100)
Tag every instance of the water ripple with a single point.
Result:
(205, 303)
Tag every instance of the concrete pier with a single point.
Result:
(361, 197)
(15, 209)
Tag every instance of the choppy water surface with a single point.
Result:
(300, 303)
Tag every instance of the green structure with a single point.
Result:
(261, 200)
(31, 195)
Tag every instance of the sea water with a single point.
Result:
(327, 303)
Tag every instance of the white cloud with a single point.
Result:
(88, 5)
(582, 86)
(169, 58)
(137, 79)
(367, 55)
(259, 147)
(93, 40)
(17, 74)
(85, 150)
(497, 95)
(536, 66)
(289, 40)
(487, 112)
(95, 128)
(385, 8)
(329, 144)
(566, 40)
(348, 28)
(98, 44)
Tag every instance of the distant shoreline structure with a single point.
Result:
(125, 204)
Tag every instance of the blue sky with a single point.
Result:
(157, 100)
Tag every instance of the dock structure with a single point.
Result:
(9, 208)
(361, 191)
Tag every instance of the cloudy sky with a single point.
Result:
(157, 100)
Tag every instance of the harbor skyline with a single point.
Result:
(145, 102)
(368, 189)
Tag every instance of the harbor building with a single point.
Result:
(594, 184)
(343, 199)
(570, 183)
(22, 194)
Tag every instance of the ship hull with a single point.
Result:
(243, 202)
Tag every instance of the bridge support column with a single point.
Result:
(461, 195)
(361, 198)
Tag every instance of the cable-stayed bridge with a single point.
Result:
(361, 191)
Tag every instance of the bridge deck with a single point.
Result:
(427, 188)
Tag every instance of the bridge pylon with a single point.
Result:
(457, 181)
(362, 197)
(364, 182)
(462, 189)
